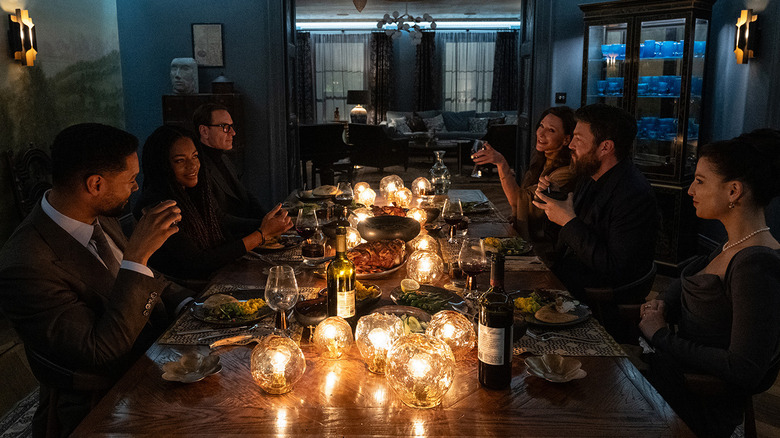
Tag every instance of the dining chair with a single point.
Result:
(372, 146)
(618, 308)
(30, 172)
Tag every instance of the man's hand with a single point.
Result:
(559, 212)
(157, 224)
(488, 156)
(653, 320)
(275, 222)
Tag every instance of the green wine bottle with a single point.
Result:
(341, 281)
(496, 321)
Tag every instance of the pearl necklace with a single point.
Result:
(760, 230)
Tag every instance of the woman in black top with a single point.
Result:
(725, 305)
(172, 170)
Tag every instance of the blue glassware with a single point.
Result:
(605, 50)
(667, 49)
(602, 87)
(676, 83)
(649, 49)
(699, 47)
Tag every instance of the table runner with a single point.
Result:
(186, 322)
(449, 253)
(590, 330)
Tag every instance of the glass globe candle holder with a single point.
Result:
(277, 363)
(455, 330)
(420, 369)
(358, 215)
(403, 197)
(424, 242)
(360, 188)
(389, 185)
(333, 337)
(425, 267)
(374, 335)
(366, 197)
(353, 237)
(422, 187)
(417, 214)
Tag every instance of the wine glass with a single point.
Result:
(476, 147)
(281, 292)
(472, 261)
(452, 213)
(307, 225)
(344, 196)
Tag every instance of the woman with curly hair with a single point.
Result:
(172, 170)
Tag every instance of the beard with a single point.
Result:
(114, 209)
(587, 165)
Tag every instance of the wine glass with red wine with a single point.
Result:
(452, 213)
(472, 262)
(344, 195)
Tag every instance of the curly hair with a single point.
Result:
(197, 204)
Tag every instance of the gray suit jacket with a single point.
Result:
(66, 305)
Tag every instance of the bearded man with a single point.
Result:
(609, 224)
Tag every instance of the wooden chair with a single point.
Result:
(618, 308)
(324, 146)
(372, 146)
(30, 172)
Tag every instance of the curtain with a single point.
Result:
(340, 64)
(467, 62)
(426, 76)
(381, 79)
(305, 79)
(505, 80)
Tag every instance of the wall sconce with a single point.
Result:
(746, 40)
(21, 37)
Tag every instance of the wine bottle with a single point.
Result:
(496, 320)
(341, 281)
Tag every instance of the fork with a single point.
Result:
(552, 335)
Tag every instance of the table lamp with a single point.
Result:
(358, 97)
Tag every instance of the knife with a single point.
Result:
(234, 340)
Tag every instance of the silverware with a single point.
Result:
(234, 340)
(228, 331)
(546, 336)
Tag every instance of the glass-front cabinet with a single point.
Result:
(648, 57)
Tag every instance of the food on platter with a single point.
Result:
(550, 314)
(226, 307)
(430, 299)
(542, 297)
(363, 291)
(508, 246)
(388, 210)
(325, 190)
(216, 300)
(377, 256)
(413, 325)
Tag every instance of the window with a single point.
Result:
(468, 70)
(340, 64)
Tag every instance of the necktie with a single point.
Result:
(104, 249)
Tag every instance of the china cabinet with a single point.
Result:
(648, 57)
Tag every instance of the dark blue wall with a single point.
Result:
(153, 32)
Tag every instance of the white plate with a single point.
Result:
(191, 367)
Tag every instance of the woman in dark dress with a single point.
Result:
(725, 305)
(551, 159)
(203, 244)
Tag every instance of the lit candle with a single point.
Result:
(375, 334)
(421, 187)
(277, 363)
(420, 370)
(403, 197)
(455, 330)
(425, 267)
(279, 360)
(353, 237)
(360, 187)
(333, 337)
(367, 197)
(389, 185)
(424, 242)
(417, 214)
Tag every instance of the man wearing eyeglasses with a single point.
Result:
(243, 211)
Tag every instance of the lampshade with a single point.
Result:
(358, 97)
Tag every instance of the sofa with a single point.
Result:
(446, 125)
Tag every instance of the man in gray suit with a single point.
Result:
(76, 290)
(242, 210)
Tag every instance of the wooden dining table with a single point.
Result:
(342, 398)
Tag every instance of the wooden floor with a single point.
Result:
(767, 404)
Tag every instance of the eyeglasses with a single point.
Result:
(226, 127)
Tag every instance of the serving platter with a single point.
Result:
(449, 300)
(581, 311)
(200, 313)
(312, 312)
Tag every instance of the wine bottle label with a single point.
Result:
(491, 345)
(345, 303)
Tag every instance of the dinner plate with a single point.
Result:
(580, 310)
(312, 312)
(199, 313)
(450, 299)
(282, 243)
(191, 367)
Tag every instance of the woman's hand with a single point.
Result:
(652, 314)
(488, 156)
(275, 222)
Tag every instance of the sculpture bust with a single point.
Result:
(184, 76)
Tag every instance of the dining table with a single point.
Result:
(342, 398)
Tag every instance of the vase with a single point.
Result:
(440, 175)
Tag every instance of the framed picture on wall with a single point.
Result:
(207, 44)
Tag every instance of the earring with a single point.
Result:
(731, 205)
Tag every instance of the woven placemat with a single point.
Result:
(602, 345)
(187, 322)
(449, 254)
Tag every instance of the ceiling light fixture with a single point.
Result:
(396, 24)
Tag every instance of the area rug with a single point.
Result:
(17, 423)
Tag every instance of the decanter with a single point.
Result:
(440, 175)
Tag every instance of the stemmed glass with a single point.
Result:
(472, 261)
(452, 213)
(281, 292)
(306, 225)
(476, 147)
(344, 196)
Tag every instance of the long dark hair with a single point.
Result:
(198, 207)
(562, 158)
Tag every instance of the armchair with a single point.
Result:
(372, 146)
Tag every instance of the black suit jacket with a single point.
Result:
(613, 243)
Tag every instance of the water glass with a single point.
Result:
(281, 292)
